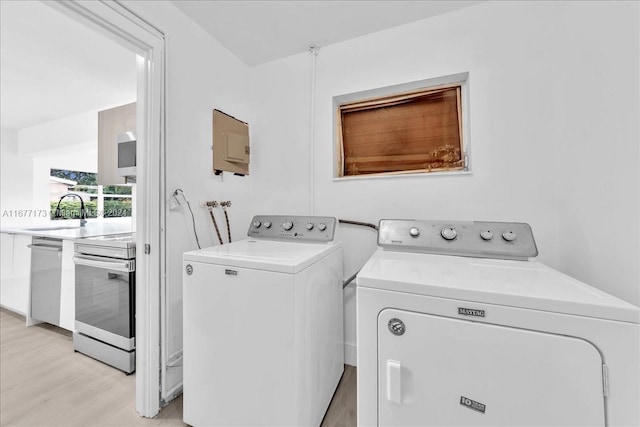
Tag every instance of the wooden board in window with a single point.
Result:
(407, 133)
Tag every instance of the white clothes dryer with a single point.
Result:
(457, 327)
(263, 325)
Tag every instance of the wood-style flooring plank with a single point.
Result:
(342, 410)
(44, 383)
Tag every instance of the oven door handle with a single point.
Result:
(122, 266)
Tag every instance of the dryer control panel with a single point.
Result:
(483, 239)
(317, 229)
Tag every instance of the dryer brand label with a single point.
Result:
(476, 406)
(470, 312)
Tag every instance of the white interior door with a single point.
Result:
(444, 371)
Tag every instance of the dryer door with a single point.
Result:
(435, 371)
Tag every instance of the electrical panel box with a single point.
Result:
(230, 144)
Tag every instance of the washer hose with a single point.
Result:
(215, 223)
(224, 206)
(361, 224)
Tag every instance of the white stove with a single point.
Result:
(263, 325)
(471, 338)
(105, 320)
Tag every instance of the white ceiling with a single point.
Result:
(261, 31)
(52, 67)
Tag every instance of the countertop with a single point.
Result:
(71, 230)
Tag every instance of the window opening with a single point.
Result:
(100, 201)
(412, 132)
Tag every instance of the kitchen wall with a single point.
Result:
(77, 130)
(16, 180)
(30, 153)
(553, 131)
(201, 75)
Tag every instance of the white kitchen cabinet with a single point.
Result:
(111, 123)
(6, 259)
(7, 288)
(15, 272)
(67, 288)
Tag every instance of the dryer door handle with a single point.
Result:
(394, 382)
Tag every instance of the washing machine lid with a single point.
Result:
(283, 257)
(524, 284)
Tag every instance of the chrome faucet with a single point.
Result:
(83, 212)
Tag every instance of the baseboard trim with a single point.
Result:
(350, 354)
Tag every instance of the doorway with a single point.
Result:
(130, 31)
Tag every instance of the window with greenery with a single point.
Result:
(419, 131)
(99, 201)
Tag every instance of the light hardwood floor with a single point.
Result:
(342, 410)
(43, 382)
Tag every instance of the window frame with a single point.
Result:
(402, 91)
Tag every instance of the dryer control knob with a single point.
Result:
(509, 236)
(414, 232)
(287, 225)
(322, 226)
(449, 233)
(267, 224)
(309, 226)
(486, 235)
(257, 224)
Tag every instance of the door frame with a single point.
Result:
(124, 27)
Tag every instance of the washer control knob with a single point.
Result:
(309, 226)
(486, 235)
(414, 232)
(509, 236)
(267, 224)
(287, 225)
(322, 226)
(257, 224)
(449, 233)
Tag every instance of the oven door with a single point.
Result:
(105, 299)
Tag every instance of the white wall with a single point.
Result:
(511, 51)
(29, 154)
(281, 92)
(16, 181)
(535, 72)
(597, 122)
(509, 118)
(201, 75)
(76, 130)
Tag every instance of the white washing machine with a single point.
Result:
(456, 327)
(263, 325)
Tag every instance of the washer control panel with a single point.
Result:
(483, 239)
(293, 228)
